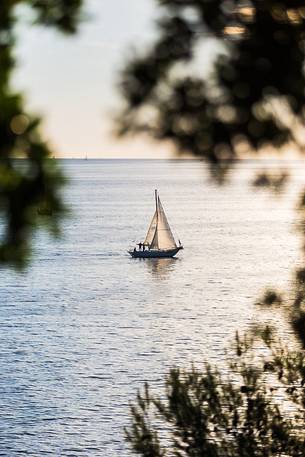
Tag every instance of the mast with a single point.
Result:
(157, 212)
(156, 198)
(155, 237)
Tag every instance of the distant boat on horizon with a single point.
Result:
(159, 241)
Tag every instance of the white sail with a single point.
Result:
(155, 242)
(151, 230)
(166, 239)
(162, 237)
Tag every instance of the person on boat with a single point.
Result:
(134, 249)
(140, 246)
(143, 247)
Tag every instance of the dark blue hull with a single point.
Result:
(153, 254)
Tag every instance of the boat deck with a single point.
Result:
(154, 253)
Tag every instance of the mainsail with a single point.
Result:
(166, 239)
(162, 237)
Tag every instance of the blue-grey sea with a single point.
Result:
(86, 325)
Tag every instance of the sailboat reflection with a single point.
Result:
(161, 268)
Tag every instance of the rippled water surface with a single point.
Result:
(86, 324)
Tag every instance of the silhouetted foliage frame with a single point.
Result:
(30, 181)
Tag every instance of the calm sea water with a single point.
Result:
(86, 325)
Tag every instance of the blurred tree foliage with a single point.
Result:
(31, 186)
(253, 98)
(257, 411)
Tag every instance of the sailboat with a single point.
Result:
(159, 241)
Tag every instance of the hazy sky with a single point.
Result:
(71, 81)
